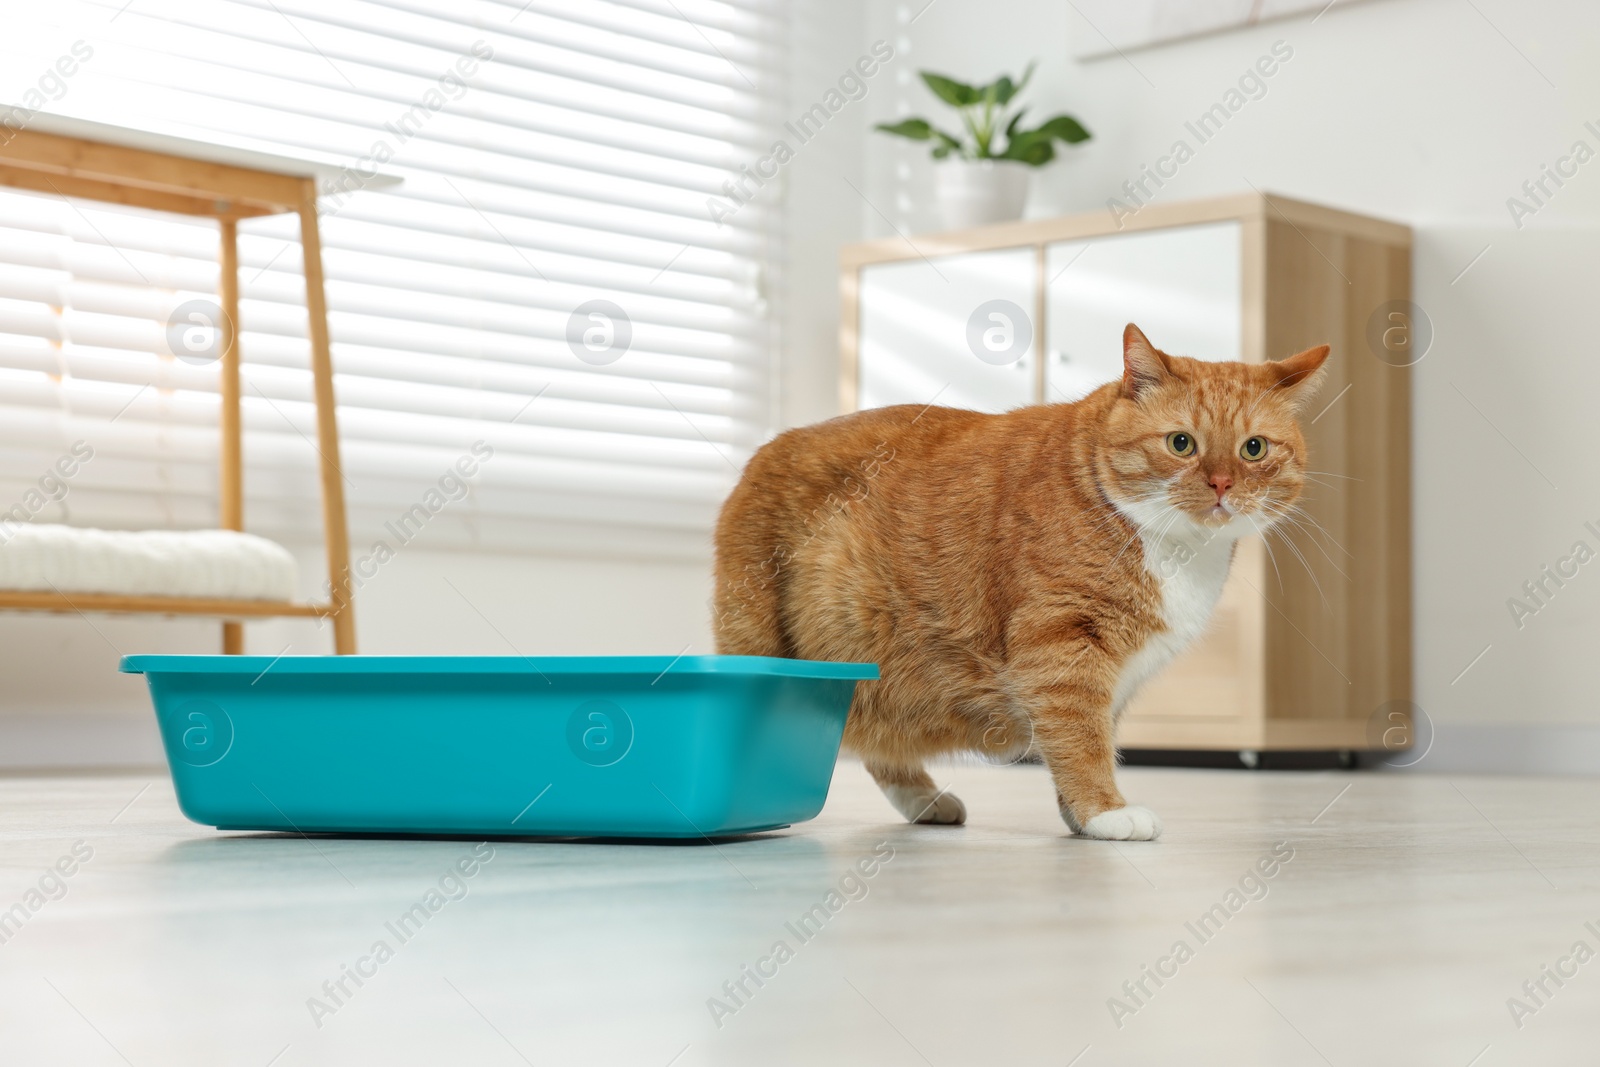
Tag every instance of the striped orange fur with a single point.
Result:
(1015, 576)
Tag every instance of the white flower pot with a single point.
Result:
(976, 192)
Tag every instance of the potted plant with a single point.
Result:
(983, 175)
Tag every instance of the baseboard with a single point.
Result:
(77, 741)
(1495, 749)
(1326, 759)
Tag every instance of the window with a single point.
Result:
(558, 157)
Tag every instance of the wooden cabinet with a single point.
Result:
(1311, 645)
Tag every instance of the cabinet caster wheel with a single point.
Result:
(1250, 758)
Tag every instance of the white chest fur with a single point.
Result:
(1190, 568)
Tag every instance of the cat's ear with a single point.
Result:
(1298, 377)
(1143, 366)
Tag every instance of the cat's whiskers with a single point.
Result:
(1282, 514)
(1290, 514)
(1139, 529)
(1113, 513)
(1155, 530)
(1248, 501)
(1320, 529)
(1304, 529)
(1116, 512)
(1159, 537)
(1295, 511)
(1310, 573)
(1130, 540)
(1272, 557)
(1177, 516)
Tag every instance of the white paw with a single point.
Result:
(927, 806)
(1124, 824)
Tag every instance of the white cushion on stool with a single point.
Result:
(221, 564)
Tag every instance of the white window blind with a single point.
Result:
(572, 165)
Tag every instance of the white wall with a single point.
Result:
(822, 209)
(1421, 111)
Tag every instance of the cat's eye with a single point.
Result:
(1182, 444)
(1254, 448)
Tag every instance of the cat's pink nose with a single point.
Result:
(1221, 483)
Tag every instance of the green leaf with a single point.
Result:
(1033, 148)
(1011, 127)
(922, 130)
(948, 146)
(1006, 89)
(952, 92)
(1065, 128)
(914, 129)
(1036, 155)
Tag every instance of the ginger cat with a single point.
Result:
(1016, 577)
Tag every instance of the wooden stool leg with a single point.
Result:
(232, 455)
(336, 533)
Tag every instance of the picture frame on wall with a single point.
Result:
(1119, 26)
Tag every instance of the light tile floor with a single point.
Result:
(1411, 910)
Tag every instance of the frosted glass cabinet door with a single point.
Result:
(956, 330)
(1181, 286)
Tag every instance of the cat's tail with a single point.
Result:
(751, 562)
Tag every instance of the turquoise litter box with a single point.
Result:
(625, 746)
